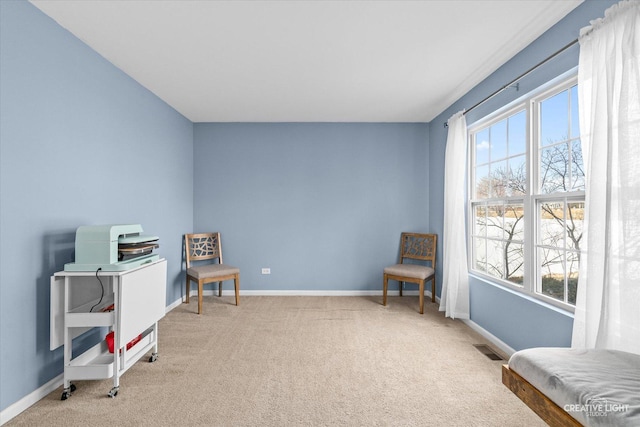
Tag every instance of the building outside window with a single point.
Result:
(527, 195)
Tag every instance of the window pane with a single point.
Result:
(480, 216)
(554, 119)
(561, 226)
(554, 169)
(573, 268)
(552, 224)
(518, 133)
(495, 258)
(499, 179)
(518, 176)
(552, 262)
(552, 273)
(480, 254)
(494, 221)
(515, 262)
(483, 183)
(577, 166)
(574, 224)
(482, 147)
(575, 122)
(499, 140)
(514, 222)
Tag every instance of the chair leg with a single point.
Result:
(422, 297)
(219, 289)
(200, 296)
(385, 283)
(188, 290)
(433, 289)
(236, 281)
(400, 285)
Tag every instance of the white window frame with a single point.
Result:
(530, 102)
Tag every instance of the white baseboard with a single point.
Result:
(173, 305)
(506, 349)
(23, 404)
(310, 293)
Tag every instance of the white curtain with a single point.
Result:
(607, 311)
(454, 300)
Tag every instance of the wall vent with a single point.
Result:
(487, 351)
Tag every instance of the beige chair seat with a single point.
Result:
(207, 246)
(417, 247)
(409, 270)
(211, 271)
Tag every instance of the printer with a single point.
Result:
(114, 247)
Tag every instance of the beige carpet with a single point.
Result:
(300, 361)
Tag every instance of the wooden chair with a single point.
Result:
(414, 246)
(202, 247)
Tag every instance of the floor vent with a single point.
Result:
(487, 351)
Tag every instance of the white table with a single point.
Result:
(81, 301)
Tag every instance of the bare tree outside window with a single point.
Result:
(556, 199)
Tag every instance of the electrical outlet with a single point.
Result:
(266, 271)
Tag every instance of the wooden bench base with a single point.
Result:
(546, 409)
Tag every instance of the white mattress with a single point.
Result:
(597, 387)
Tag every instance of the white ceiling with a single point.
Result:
(308, 61)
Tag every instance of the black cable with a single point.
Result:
(102, 286)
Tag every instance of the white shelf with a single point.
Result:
(94, 364)
(98, 362)
(78, 320)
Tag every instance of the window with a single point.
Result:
(527, 195)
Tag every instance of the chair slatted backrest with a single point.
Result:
(202, 246)
(418, 246)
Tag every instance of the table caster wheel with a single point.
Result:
(113, 392)
(153, 358)
(66, 393)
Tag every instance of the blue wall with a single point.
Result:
(517, 320)
(321, 204)
(80, 143)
